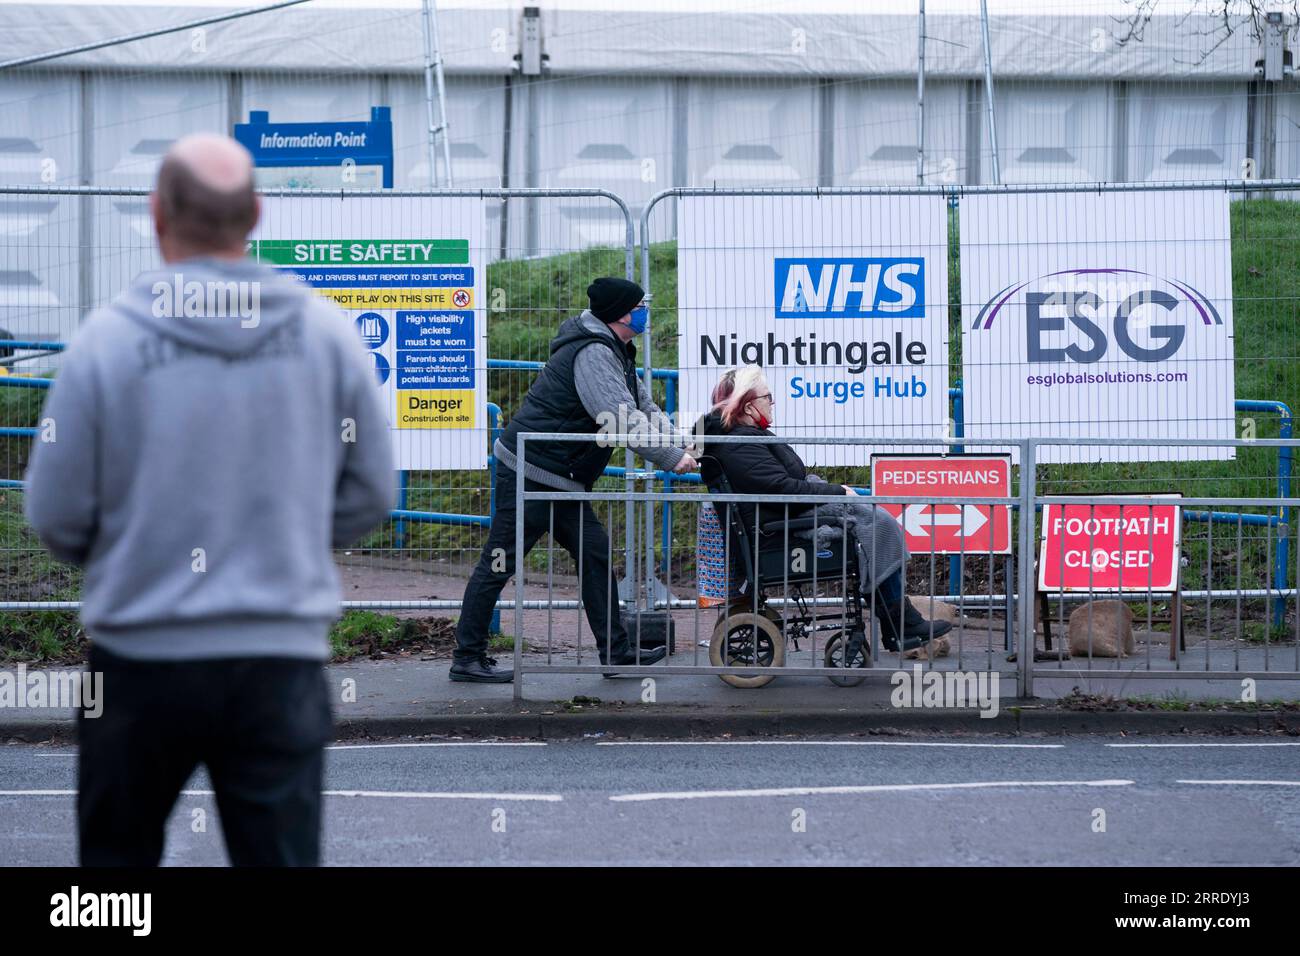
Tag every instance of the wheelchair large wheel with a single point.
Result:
(834, 657)
(746, 640)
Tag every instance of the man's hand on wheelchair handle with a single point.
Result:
(849, 490)
(688, 463)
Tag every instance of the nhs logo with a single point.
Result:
(850, 288)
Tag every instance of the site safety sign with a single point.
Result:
(1095, 546)
(947, 528)
(409, 280)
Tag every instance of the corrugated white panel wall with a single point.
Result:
(476, 120)
(1288, 136)
(39, 145)
(612, 134)
(632, 136)
(1055, 135)
(751, 134)
(1185, 132)
(873, 137)
(337, 99)
(136, 119)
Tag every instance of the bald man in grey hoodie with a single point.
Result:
(213, 432)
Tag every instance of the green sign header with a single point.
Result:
(357, 252)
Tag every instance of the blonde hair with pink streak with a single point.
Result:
(749, 384)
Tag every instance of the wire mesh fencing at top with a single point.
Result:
(101, 242)
(88, 243)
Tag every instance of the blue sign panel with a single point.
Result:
(320, 144)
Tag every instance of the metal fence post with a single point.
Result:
(522, 445)
(1285, 456)
(1025, 653)
(399, 526)
(494, 432)
(958, 431)
(666, 538)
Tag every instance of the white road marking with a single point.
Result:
(813, 743)
(401, 794)
(1243, 783)
(874, 788)
(447, 795)
(1272, 744)
(448, 743)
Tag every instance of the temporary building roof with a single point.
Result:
(832, 38)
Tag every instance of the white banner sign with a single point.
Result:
(842, 299)
(1098, 315)
(409, 274)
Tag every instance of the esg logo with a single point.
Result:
(849, 288)
(1095, 300)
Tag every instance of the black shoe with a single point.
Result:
(649, 655)
(854, 649)
(917, 631)
(481, 671)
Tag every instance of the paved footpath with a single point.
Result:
(413, 697)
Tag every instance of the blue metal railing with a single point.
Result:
(401, 515)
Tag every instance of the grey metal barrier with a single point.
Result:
(1248, 640)
(995, 629)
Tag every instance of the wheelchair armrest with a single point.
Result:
(802, 523)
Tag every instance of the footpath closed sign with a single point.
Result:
(415, 302)
(1109, 547)
(947, 528)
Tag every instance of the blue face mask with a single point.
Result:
(640, 317)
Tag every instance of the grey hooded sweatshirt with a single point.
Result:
(201, 467)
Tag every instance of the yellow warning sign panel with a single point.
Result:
(435, 408)
(396, 298)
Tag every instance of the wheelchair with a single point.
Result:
(773, 558)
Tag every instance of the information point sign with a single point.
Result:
(1095, 546)
(321, 155)
(947, 528)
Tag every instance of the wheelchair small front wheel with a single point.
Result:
(836, 648)
(746, 640)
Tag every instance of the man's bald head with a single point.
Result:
(204, 201)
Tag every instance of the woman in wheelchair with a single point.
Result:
(743, 405)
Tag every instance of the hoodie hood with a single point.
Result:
(217, 305)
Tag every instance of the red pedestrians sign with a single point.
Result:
(947, 528)
(1107, 547)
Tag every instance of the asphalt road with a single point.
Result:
(864, 801)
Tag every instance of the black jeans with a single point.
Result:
(575, 522)
(259, 725)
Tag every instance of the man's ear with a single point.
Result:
(156, 213)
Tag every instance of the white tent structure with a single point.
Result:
(632, 96)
